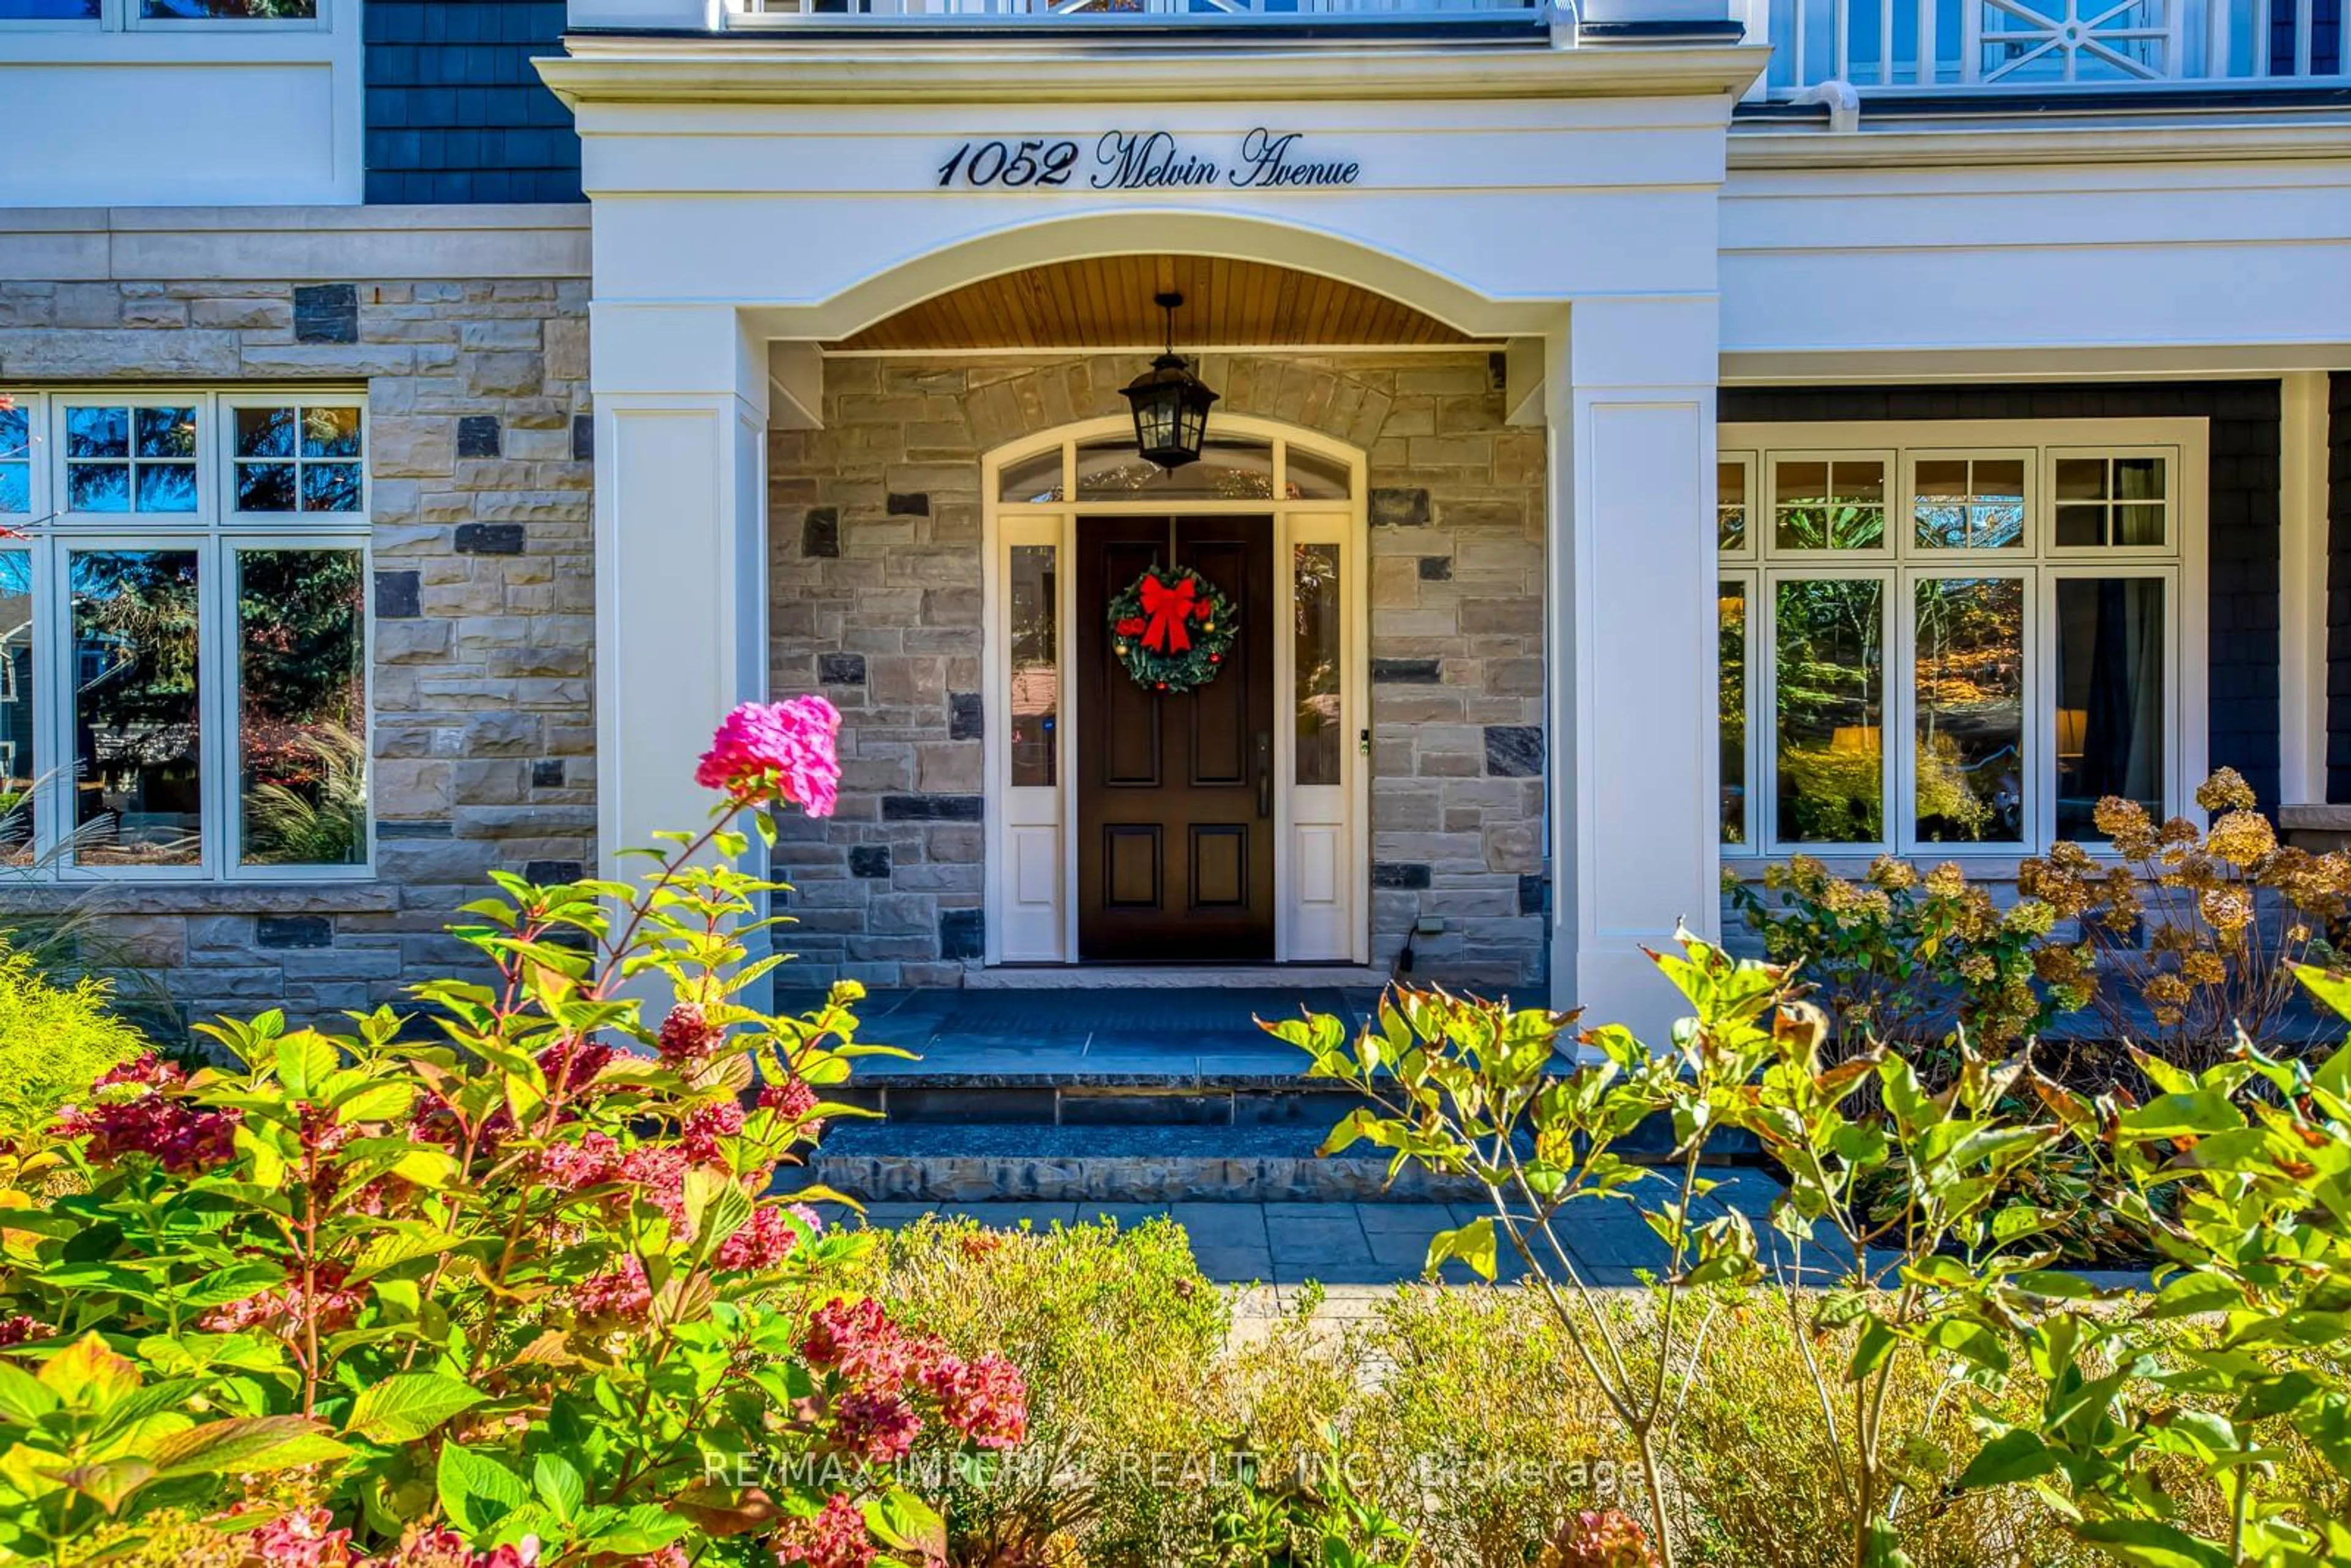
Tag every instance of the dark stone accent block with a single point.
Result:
(547, 773)
(1399, 874)
(1398, 509)
(933, 808)
(327, 313)
(963, 934)
(294, 931)
(1534, 893)
(966, 715)
(917, 505)
(584, 438)
(489, 538)
(546, 872)
(1514, 751)
(869, 861)
(820, 533)
(399, 595)
(1405, 672)
(478, 436)
(1436, 569)
(841, 669)
(436, 828)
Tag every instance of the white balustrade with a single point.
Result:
(1908, 46)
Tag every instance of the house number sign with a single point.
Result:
(1142, 160)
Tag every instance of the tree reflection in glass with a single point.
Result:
(1731, 608)
(1830, 693)
(19, 766)
(1969, 674)
(138, 787)
(301, 708)
(1315, 641)
(1036, 667)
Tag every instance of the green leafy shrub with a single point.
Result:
(510, 1295)
(1904, 955)
(56, 1040)
(1121, 1343)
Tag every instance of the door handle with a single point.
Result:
(1264, 775)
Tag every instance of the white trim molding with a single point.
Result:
(1321, 834)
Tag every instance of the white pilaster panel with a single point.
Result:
(1634, 651)
(2301, 588)
(681, 580)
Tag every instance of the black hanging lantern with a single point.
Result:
(1170, 404)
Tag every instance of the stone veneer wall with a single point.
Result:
(483, 602)
(876, 529)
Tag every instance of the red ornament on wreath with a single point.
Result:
(1172, 629)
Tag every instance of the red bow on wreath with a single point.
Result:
(1165, 610)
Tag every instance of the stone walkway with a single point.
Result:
(1288, 1244)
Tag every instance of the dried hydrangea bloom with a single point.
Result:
(2226, 790)
(1893, 875)
(2126, 824)
(2243, 839)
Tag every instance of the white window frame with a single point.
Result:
(2182, 562)
(123, 17)
(215, 533)
(1768, 500)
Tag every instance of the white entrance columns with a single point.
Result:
(681, 557)
(1633, 645)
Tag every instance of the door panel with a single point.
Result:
(1174, 789)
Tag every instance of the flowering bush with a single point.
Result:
(512, 1295)
(2204, 927)
(1904, 954)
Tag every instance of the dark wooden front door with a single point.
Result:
(1176, 791)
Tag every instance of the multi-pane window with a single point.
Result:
(183, 634)
(1951, 638)
(119, 14)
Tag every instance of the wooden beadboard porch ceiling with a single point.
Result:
(1105, 302)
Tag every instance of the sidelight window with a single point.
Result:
(183, 636)
(1975, 678)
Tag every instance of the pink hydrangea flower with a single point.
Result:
(155, 1122)
(623, 1293)
(687, 1035)
(704, 1125)
(304, 1538)
(767, 1238)
(836, 1538)
(858, 1341)
(986, 1400)
(768, 752)
(877, 1427)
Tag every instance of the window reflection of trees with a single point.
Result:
(302, 706)
(1970, 681)
(137, 741)
(1316, 644)
(1036, 696)
(1829, 691)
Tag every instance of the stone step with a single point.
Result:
(901, 1162)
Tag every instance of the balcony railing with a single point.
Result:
(2035, 44)
(1876, 46)
(1205, 10)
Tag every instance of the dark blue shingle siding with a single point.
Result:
(454, 111)
(2240, 513)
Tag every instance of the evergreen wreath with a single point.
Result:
(1172, 629)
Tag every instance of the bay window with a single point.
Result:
(1939, 639)
(184, 637)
